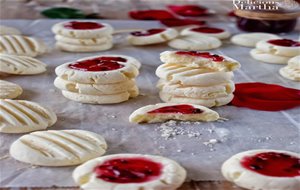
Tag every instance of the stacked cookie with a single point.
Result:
(196, 77)
(277, 51)
(83, 36)
(105, 79)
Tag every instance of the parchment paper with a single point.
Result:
(200, 148)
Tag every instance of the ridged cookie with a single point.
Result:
(9, 90)
(94, 89)
(84, 42)
(175, 73)
(287, 47)
(102, 69)
(292, 70)
(200, 59)
(6, 30)
(151, 173)
(202, 92)
(206, 31)
(195, 43)
(102, 99)
(152, 36)
(268, 58)
(172, 111)
(20, 65)
(21, 45)
(82, 29)
(20, 116)
(58, 148)
(204, 102)
(83, 48)
(250, 39)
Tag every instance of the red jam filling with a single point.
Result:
(148, 32)
(99, 64)
(129, 170)
(208, 30)
(285, 42)
(273, 164)
(266, 97)
(83, 25)
(189, 10)
(208, 55)
(182, 109)
(151, 15)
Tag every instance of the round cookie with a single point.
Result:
(82, 29)
(172, 111)
(83, 48)
(58, 147)
(22, 45)
(9, 90)
(280, 47)
(181, 74)
(94, 89)
(102, 99)
(145, 172)
(20, 65)
(6, 30)
(264, 169)
(204, 102)
(102, 69)
(84, 42)
(200, 59)
(195, 43)
(292, 70)
(206, 31)
(267, 57)
(152, 36)
(20, 116)
(250, 39)
(201, 92)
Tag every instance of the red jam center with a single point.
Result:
(148, 32)
(285, 42)
(99, 64)
(182, 109)
(208, 30)
(273, 164)
(128, 170)
(83, 25)
(208, 55)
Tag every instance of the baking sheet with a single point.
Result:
(200, 147)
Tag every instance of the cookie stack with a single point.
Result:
(105, 79)
(277, 51)
(196, 77)
(83, 36)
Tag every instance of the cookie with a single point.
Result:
(20, 116)
(201, 92)
(175, 73)
(21, 45)
(83, 48)
(250, 39)
(58, 148)
(195, 43)
(9, 90)
(130, 171)
(206, 31)
(267, 57)
(280, 47)
(152, 36)
(82, 29)
(84, 42)
(102, 99)
(292, 70)
(104, 69)
(6, 30)
(172, 111)
(94, 89)
(20, 65)
(169, 98)
(264, 169)
(200, 59)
